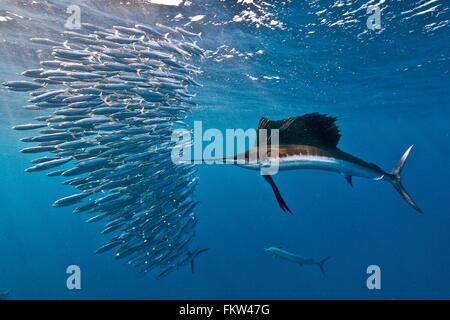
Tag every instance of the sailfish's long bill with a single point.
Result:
(311, 142)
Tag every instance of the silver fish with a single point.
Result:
(285, 255)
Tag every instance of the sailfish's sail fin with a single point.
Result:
(311, 129)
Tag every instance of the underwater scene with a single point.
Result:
(224, 149)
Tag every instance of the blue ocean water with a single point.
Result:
(389, 89)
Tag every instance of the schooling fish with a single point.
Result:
(67, 201)
(109, 100)
(190, 257)
(29, 126)
(283, 254)
(188, 33)
(311, 142)
(33, 73)
(48, 164)
(22, 85)
(149, 30)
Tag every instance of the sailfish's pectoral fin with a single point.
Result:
(348, 178)
(277, 193)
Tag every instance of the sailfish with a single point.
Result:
(311, 141)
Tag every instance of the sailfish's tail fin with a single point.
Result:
(194, 255)
(396, 180)
(322, 264)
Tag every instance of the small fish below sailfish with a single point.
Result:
(278, 252)
(311, 141)
(4, 294)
